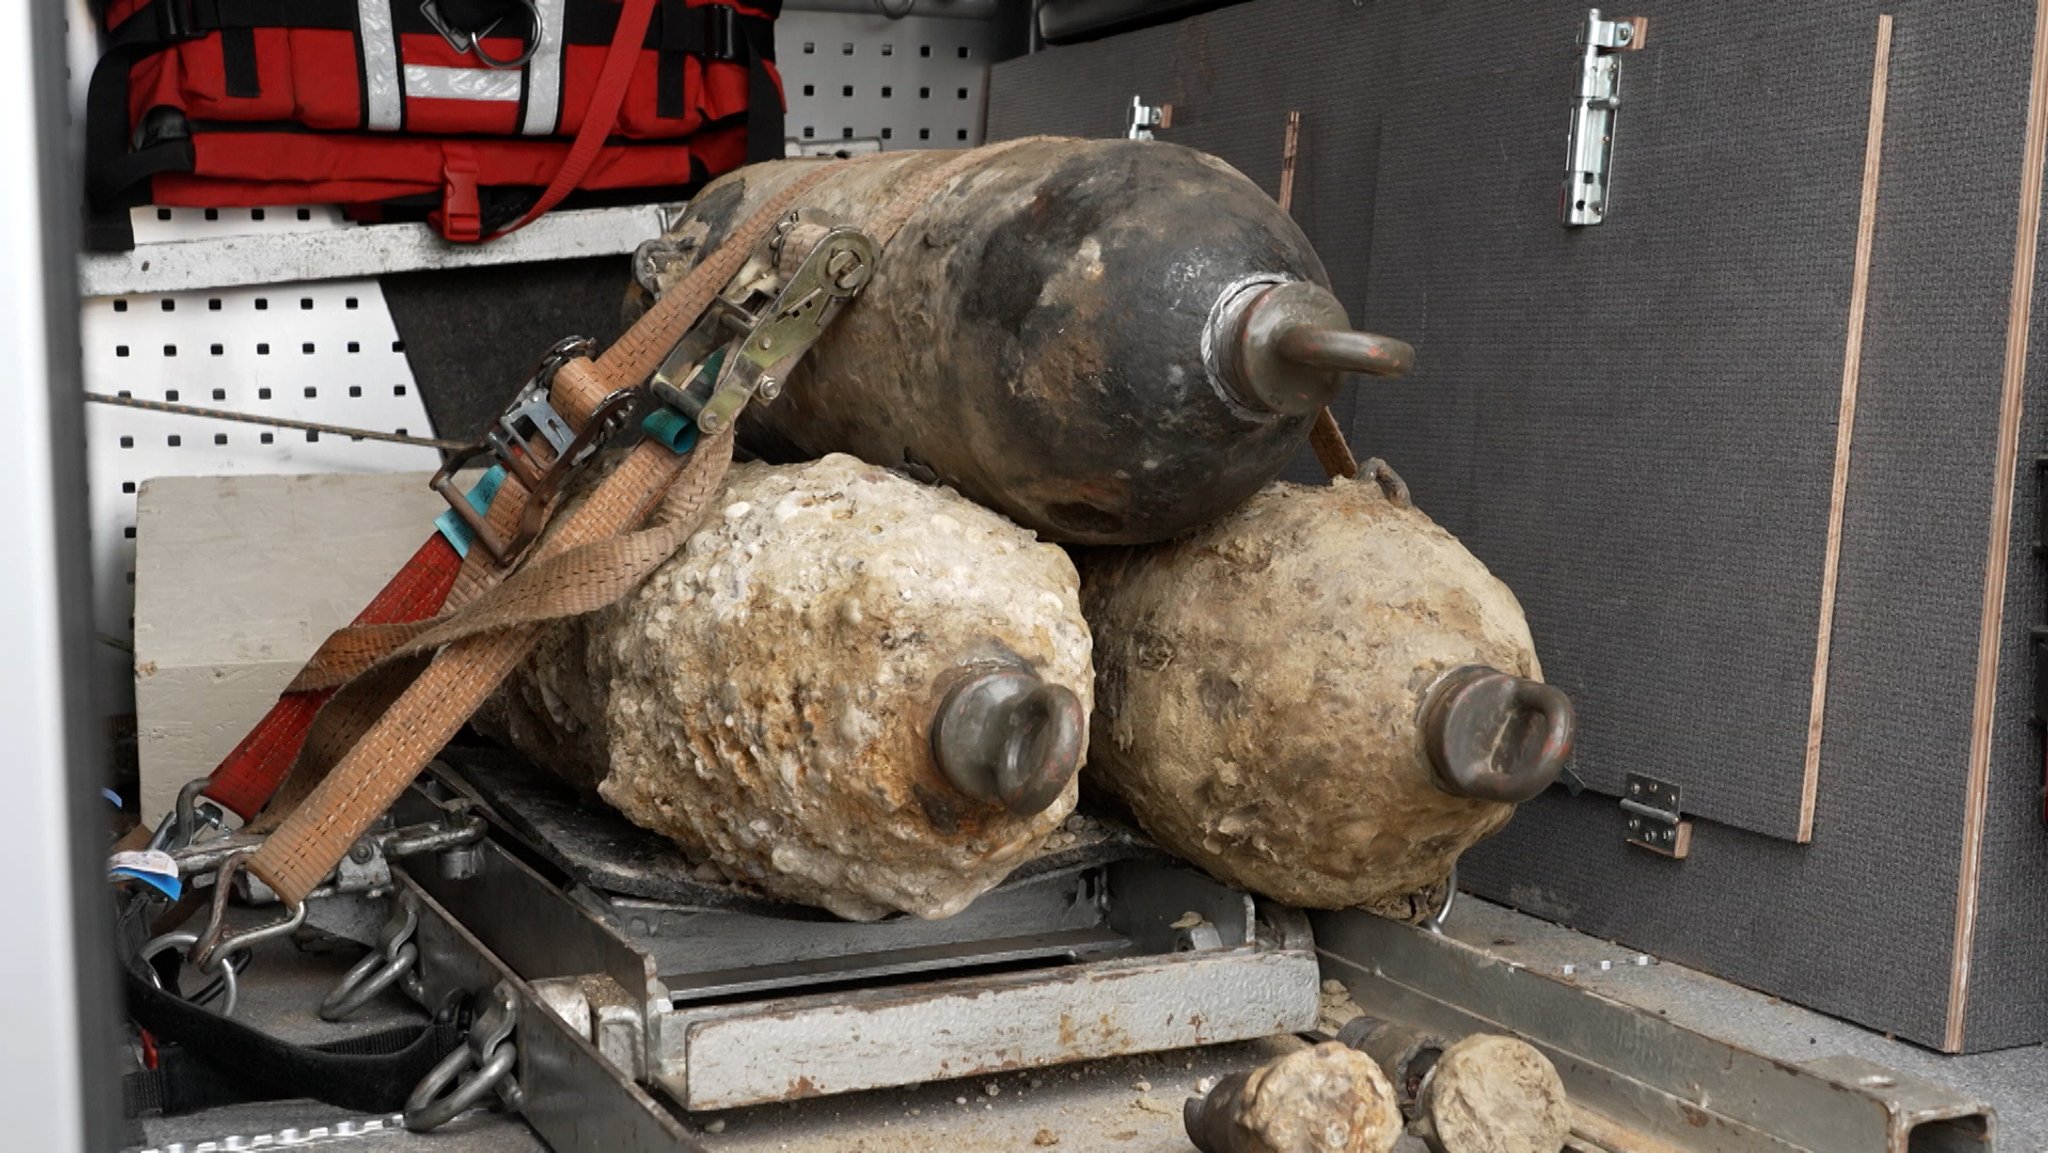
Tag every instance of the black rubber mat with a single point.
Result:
(473, 335)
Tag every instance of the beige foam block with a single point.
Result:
(237, 580)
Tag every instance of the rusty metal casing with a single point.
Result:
(1057, 334)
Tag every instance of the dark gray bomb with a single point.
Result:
(1112, 342)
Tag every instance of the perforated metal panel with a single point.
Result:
(917, 82)
(322, 352)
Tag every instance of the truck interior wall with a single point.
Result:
(1634, 425)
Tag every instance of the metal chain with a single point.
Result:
(390, 963)
(483, 1065)
(270, 421)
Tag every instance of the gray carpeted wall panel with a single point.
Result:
(1660, 391)
(1860, 922)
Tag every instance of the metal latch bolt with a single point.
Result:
(1589, 152)
(1143, 118)
(1653, 820)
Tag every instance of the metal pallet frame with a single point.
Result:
(1637, 1081)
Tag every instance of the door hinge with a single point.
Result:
(1654, 822)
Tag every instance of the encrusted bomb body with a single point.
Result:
(767, 698)
(1260, 687)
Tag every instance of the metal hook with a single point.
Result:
(215, 940)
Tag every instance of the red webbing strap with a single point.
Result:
(612, 81)
(246, 777)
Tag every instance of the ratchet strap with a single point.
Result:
(247, 777)
(402, 705)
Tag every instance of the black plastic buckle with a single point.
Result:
(178, 20)
(722, 39)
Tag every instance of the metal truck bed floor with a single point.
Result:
(1101, 1106)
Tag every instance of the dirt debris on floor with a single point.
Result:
(1338, 1009)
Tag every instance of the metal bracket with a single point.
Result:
(1653, 820)
(777, 306)
(1143, 118)
(1589, 152)
(535, 445)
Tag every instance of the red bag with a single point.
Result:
(488, 112)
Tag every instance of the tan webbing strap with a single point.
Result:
(398, 743)
(570, 584)
(411, 727)
(306, 846)
(598, 575)
(351, 649)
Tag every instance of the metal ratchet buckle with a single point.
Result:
(471, 43)
(765, 319)
(536, 447)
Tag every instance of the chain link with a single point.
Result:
(390, 963)
(483, 1065)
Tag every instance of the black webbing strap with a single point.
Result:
(116, 175)
(477, 17)
(238, 61)
(764, 98)
(219, 1059)
(184, 1082)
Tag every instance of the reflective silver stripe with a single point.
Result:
(436, 83)
(383, 99)
(544, 71)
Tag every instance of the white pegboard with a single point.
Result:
(914, 82)
(324, 351)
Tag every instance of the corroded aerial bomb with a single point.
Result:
(1323, 697)
(1109, 341)
(1493, 1094)
(1324, 1099)
(848, 689)
(1485, 1093)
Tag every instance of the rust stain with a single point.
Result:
(1694, 1116)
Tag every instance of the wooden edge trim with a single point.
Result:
(1289, 150)
(1845, 423)
(1991, 620)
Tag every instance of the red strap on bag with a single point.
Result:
(246, 777)
(602, 115)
